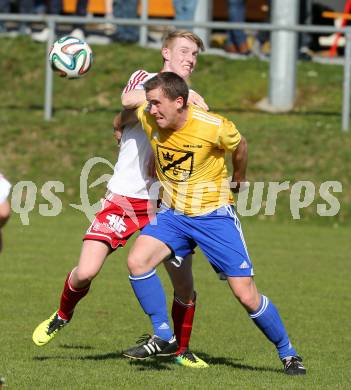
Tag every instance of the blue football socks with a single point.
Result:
(267, 318)
(149, 291)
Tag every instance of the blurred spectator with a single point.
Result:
(261, 45)
(55, 7)
(305, 39)
(184, 9)
(39, 6)
(128, 10)
(24, 7)
(110, 28)
(5, 208)
(4, 9)
(237, 39)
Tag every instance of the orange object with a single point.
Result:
(336, 15)
(255, 9)
(94, 6)
(159, 8)
(333, 50)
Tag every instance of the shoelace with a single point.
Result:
(294, 362)
(55, 324)
(188, 356)
(145, 339)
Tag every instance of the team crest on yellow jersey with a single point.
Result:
(176, 165)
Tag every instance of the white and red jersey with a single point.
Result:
(130, 177)
(5, 187)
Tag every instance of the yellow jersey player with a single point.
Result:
(189, 145)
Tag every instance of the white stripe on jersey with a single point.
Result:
(207, 115)
(208, 118)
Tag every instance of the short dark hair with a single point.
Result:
(172, 85)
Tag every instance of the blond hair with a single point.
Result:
(172, 35)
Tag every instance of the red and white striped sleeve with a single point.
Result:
(136, 80)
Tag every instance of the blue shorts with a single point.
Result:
(218, 235)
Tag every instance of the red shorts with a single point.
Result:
(119, 218)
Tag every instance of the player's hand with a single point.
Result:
(197, 100)
(151, 166)
(117, 133)
(117, 128)
(239, 185)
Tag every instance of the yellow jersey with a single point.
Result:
(190, 162)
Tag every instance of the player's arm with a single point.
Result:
(133, 94)
(5, 211)
(239, 161)
(5, 208)
(128, 118)
(122, 119)
(231, 140)
(117, 127)
(133, 98)
(197, 100)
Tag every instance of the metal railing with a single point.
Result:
(144, 22)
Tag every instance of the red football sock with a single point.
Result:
(183, 317)
(69, 299)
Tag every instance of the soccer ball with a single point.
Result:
(70, 57)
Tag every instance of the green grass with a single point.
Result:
(302, 268)
(301, 265)
(306, 144)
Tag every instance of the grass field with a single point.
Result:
(303, 266)
(307, 144)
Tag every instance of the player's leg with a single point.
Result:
(146, 253)
(183, 309)
(150, 248)
(111, 227)
(220, 236)
(266, 317)
(76, 287)
(77, 284)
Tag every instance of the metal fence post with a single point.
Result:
(203, 13)
(49, 73)
(346, 84)
(283, 55)
(144, 17)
